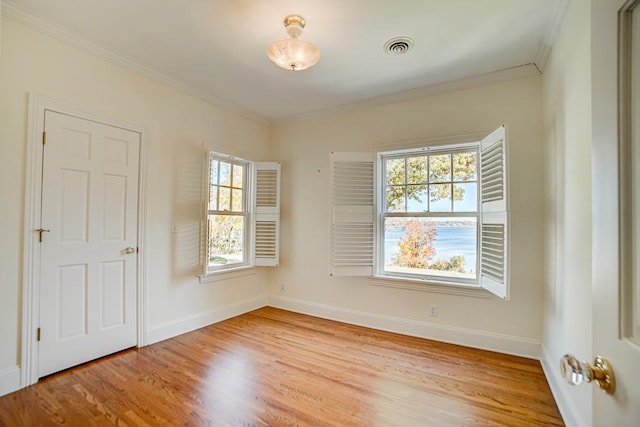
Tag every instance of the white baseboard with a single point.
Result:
(166, 330)
(467, 337)
(9, 380)
(10, 377)
(568, 410)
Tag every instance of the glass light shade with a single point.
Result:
(293, 54)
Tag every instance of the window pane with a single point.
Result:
(238, 176)
(236, 200)
(431, 246)
(226, 240)
(464, 166)
(417, 170)
(225, 173)
(408, 243)
(224, 200)
(395, 199)
(394, 168)
(440, 198)
(213, 198)
(465, 197)
(214, 171)
(440, 168)
(417, 198)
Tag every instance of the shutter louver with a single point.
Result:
(494, 230)
(266, 239)
(492, 176)
(266, 188)
(492, 256)
(353, 245)
(266, 223)
(353, 183)
(352, 222)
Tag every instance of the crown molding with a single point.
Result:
(549, 36)
(512, 73)
(11, 10)
(18, 14)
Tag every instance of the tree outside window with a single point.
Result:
(431, 214)
(227, 214)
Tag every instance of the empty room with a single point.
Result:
(304, 212)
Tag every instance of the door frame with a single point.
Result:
(38, 105)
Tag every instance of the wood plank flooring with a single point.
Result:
(276, 368)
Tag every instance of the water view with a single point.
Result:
(451, 239)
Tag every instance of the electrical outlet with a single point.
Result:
(434, 310)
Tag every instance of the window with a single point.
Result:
(436, 215)
(242, 214)
(428, 220)
(228, 213)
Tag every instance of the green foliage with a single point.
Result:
(226, 232)
(226, 236)
(456, 263)
(465, 166)
(416, 176)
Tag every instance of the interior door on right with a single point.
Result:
(616, 206)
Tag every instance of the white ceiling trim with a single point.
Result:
(14, 12)
(520, 71)
(542, 56)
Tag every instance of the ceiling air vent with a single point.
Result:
(398, 45)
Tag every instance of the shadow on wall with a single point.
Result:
(554, 217)
(187, 209)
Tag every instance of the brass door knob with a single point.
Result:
(129, 250)
(575, 372)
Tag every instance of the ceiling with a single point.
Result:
(216, 48)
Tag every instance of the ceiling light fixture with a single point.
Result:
(293, 54)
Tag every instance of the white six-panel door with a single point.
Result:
(88, 256)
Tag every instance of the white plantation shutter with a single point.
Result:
(204, 225)
(352, 214)
(266, 214)
(494, 240)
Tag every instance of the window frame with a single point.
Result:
(247, 191)
(355, 188)
(261, 210)
(381, 212)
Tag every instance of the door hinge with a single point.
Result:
(40, 231)
(44, 137)
(38, 334)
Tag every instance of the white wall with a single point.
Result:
(567, 320)
(177, 123)
(33, 62)
(303, 148)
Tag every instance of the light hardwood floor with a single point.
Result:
(277, 368)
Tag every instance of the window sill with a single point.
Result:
(429, 286)
(230, 273)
